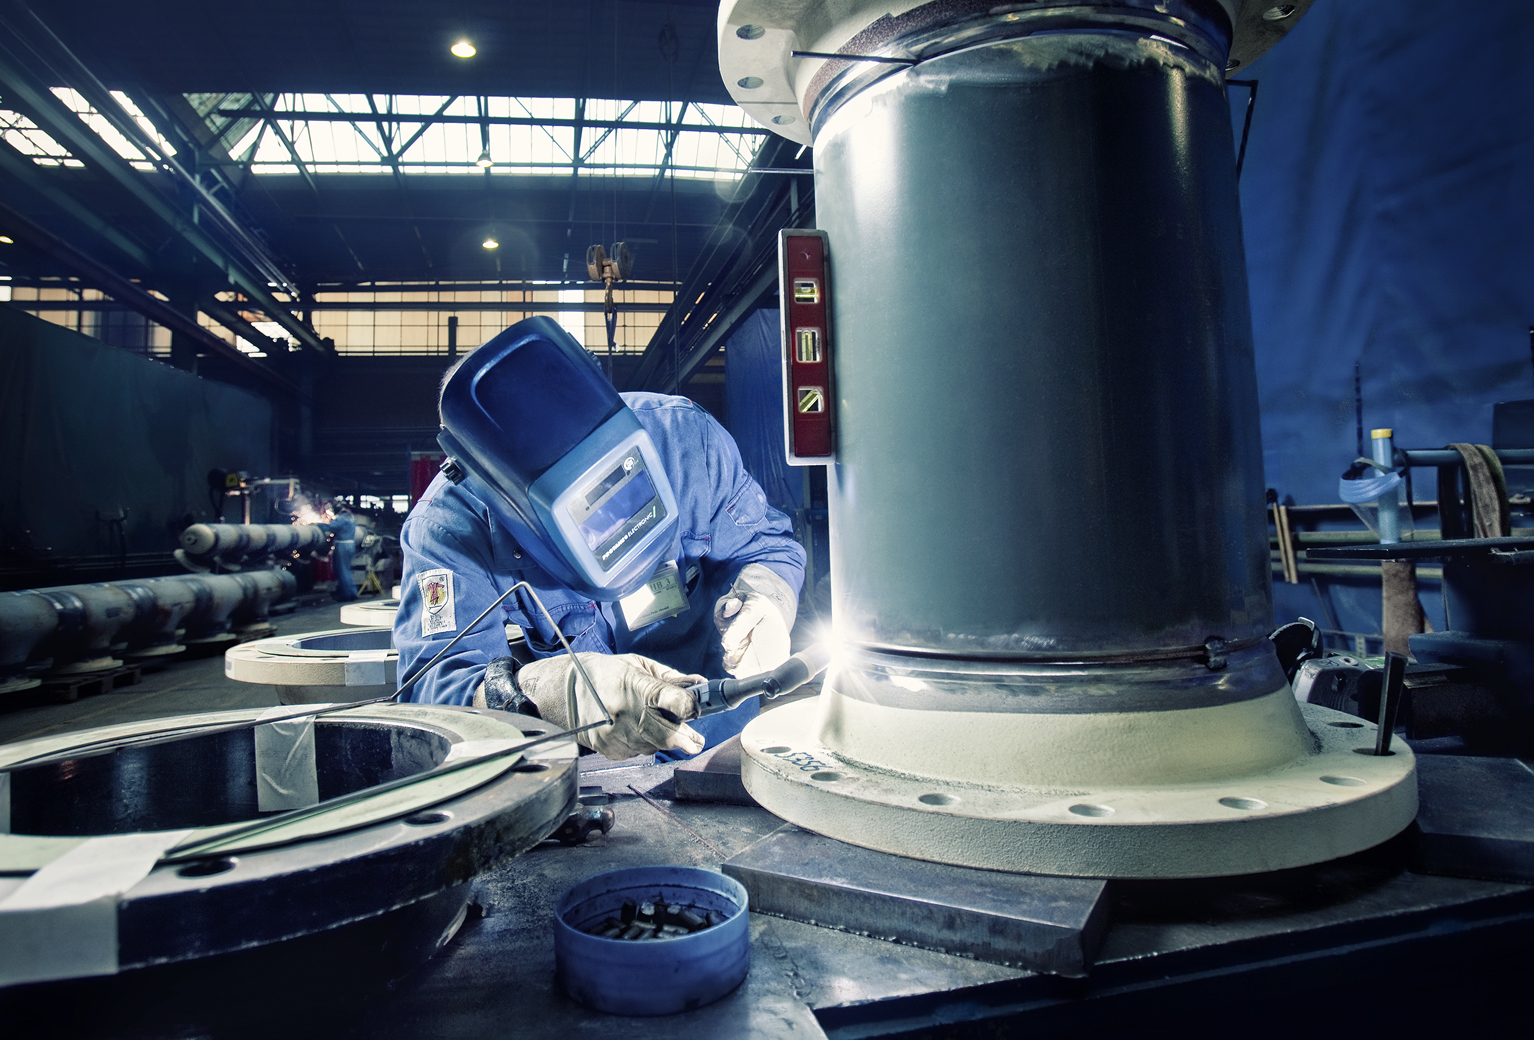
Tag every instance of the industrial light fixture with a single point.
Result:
(463, 49)
(7, 240)
(491, 243)
(484, 162)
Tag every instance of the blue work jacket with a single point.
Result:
(344, 527)
(725, 523)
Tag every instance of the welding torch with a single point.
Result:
(723, 694)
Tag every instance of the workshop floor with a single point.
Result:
(1191, 959)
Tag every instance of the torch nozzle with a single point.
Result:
(722, 694)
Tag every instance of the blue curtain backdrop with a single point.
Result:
(1388, 204)
(1388, 207)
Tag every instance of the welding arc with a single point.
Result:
(208, 728)
(181, 853)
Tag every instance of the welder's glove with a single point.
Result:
(647, 701)
(754, 619)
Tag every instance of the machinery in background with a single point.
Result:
(82, 630)
(1474, 681)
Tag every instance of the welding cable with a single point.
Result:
(207, 728)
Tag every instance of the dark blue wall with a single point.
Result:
(1388, 201)
(1388, 204)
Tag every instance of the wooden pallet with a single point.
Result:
(64, 689)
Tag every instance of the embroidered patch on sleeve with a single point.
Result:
(437, 602)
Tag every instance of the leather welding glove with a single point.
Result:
(754, 619)
(648, 701)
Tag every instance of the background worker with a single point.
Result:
(633, 518)
(344, 530)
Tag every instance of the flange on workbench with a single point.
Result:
(1083, 814)
(192, 789)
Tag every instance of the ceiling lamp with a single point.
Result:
(484, 162)
(463, 49)
(7, 240)
(491, 243)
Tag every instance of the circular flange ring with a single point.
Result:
(370, 615)
(758, 38)
(1335, 800)
(336, 657)
(359, 861)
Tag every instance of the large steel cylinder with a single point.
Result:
(1049, 559)
(232, 546)
(1048, 442)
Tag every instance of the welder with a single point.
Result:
(344, 530)
(633, 519)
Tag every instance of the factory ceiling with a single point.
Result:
(526, 48)
(186, 151)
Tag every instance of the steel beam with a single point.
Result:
(594, 124)
(70, 131)
(124, 291)
(212, 308)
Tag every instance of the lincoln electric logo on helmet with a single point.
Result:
(630, 533)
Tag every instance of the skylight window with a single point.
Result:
(24, 135)
(414, 134)
(107, 132)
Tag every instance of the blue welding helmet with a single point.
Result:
(535, 430)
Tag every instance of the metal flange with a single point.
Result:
(307, 667)
(1160, 798)
(758, 40)
(370, 615)
(324, 871)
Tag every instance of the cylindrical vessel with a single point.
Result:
(218, 596)
(1047, 404)
(171, 600)
(26, 620)
(102, 610)
(1049, 555)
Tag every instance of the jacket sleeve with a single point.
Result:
(742, 527)
(449, 580)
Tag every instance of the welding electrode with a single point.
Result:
(720, 694)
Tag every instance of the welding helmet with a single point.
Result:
(532, 427)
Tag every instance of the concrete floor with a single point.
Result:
(181, 687)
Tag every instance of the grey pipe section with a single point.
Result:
(1446, 457)
(93, 615)
(212, 621)
(233, 546)
(77, 629)
(1046, 395)
(26, 620)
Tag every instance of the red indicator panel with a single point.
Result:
(806, 316)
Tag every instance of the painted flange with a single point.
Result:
(1333, 798)
(352, 863)
(757, 39)
(370, 615)
(306, 668)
